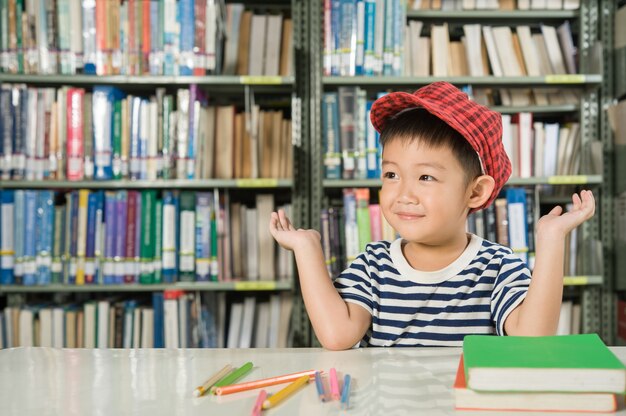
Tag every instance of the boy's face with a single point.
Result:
(424, 195)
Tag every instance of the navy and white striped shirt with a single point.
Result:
(473, 295)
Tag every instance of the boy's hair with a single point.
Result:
(417, 124)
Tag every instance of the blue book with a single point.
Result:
(169, 250)
(18, 271)
(159, 324)
(103, 104)
(360, 38)
(388, 43)
(518, 233)
(372, 145)
(110, 216)
(368, 37)
(204, 202)
(331, 134)
(135, 121)
(90, 244)
(187, 26)
(7, 232)
(121, 199)
(31, 235)
(45, 221)
(156, 38)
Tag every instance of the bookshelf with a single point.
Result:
(284, 93)
(590, 83)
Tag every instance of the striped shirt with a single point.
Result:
(472, 295)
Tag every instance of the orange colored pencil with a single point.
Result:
(251, 385)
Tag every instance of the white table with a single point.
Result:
(110, 382)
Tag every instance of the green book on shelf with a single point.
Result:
(566, 363)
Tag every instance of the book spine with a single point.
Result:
(29, 263)
(187, 26)
(186, 254)
(130, 248)
(81, 243)
(148, 226)
(121, 229)
(169, 251)
(75, 134)
(203, 236)
(158, 242)
(110, 218)
(7, 242)
(44, 259)
(90, 272)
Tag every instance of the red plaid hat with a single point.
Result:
(480, 126)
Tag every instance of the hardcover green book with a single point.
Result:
(565, 363)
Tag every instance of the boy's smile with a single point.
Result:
(424, 196)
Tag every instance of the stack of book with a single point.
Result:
(573, 373)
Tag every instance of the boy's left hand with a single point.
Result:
(558, 224)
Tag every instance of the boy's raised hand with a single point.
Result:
(287, 235)
(558, 224)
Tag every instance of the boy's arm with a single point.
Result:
(337, 324)
(539, 313)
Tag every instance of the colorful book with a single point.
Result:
(566, 363)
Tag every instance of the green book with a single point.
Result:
(148, 225)
(158, 241)
(565, 363)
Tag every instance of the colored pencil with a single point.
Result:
(232, 377)
(320, 386)
(284, 393)
(200, 390)
(334, 385)
(345, 393)
(255, 384)
(258, 406)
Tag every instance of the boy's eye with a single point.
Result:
(426, 178)
(389, 175)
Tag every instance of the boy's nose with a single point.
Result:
(407, 194)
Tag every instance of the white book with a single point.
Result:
(274, 321)
(127, 339)
(492, 52)
(542, 52)
(473, 49)
(565, 319)
(554, 49)
(272, 44)
(58, 327)
(286, 305)
(571, 4)
(247, 322)
(137, 327)
(554, 4)
(261, 332)
(152, 150)
(258, 30)
(504, 46)
(266, 246)
(147, 328)
(529, 51)
(234, 325)
(26, 328)
(89, 332)
(170, 323)
(103, 324)
(210, 32)
(551, 146)
(576, 318)
(561, 156)
(507, 136)
(440, 41)
(252, 246)
(183, 321)
(538, 4)
(525, 145)
(45, 327)
(539, 148)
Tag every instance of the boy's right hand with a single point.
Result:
(287, 235)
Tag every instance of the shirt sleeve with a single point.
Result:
(510, 289)
(354, 284)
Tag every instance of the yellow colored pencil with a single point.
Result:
(284, 393)
(200, 390)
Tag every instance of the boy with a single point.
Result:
(442, 159)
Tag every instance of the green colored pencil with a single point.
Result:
(233, 376)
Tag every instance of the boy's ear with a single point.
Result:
(480, 191)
